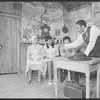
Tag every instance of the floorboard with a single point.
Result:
(15, 86)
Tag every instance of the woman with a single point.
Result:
(51, 52)
(34, 59)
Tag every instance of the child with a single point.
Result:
(74, 75)
(65, 53)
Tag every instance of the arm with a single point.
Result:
(75, 44)
(56, 50)
(43, 52)
(94, 32)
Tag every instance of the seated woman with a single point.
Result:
(51, 52)
(34, 59)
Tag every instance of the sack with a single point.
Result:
(72, 90)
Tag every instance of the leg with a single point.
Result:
(56, 81)
(29, 76)
(43, 68)
(72, 75)
(49, 72)
(87, 84)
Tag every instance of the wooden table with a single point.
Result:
(79, 66)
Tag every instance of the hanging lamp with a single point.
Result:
(64, 29)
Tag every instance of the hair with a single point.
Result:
(34, 37)
(48, 38)
(81, 22)
(67, 38)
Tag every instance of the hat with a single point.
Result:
(45, 26)
(80, 57)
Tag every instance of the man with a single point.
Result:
(90, 36)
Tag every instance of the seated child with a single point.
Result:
(65, 53)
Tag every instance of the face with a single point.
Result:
(45, 30)
(35, 41)
(79, 28)
(66, 41)
(49, 41)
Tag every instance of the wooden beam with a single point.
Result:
(77, 8)
(62, 4)
(8, 15)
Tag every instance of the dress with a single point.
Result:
(51, 52)
(34, 58)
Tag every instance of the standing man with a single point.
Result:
(88, 35)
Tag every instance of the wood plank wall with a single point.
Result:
(9, 39)
(23, 52)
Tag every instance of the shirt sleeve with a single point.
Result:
(94, 32)
(75, 44)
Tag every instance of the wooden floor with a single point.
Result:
(15, 86)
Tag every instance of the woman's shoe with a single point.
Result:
(50, 82)
(29, 81)
(54, 82)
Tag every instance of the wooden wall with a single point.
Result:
(91, 14)
(10, 24)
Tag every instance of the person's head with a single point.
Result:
(49, 41)
(35, 39)
(80, 26)
(66, 39)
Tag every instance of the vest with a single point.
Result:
(96, 50)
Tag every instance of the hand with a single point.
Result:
(60, 45)
(63, 50)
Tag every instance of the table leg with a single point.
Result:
(88, 85)
(56, 82)
(98, 80)
(69, 76)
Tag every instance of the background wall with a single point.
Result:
(31, 18)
